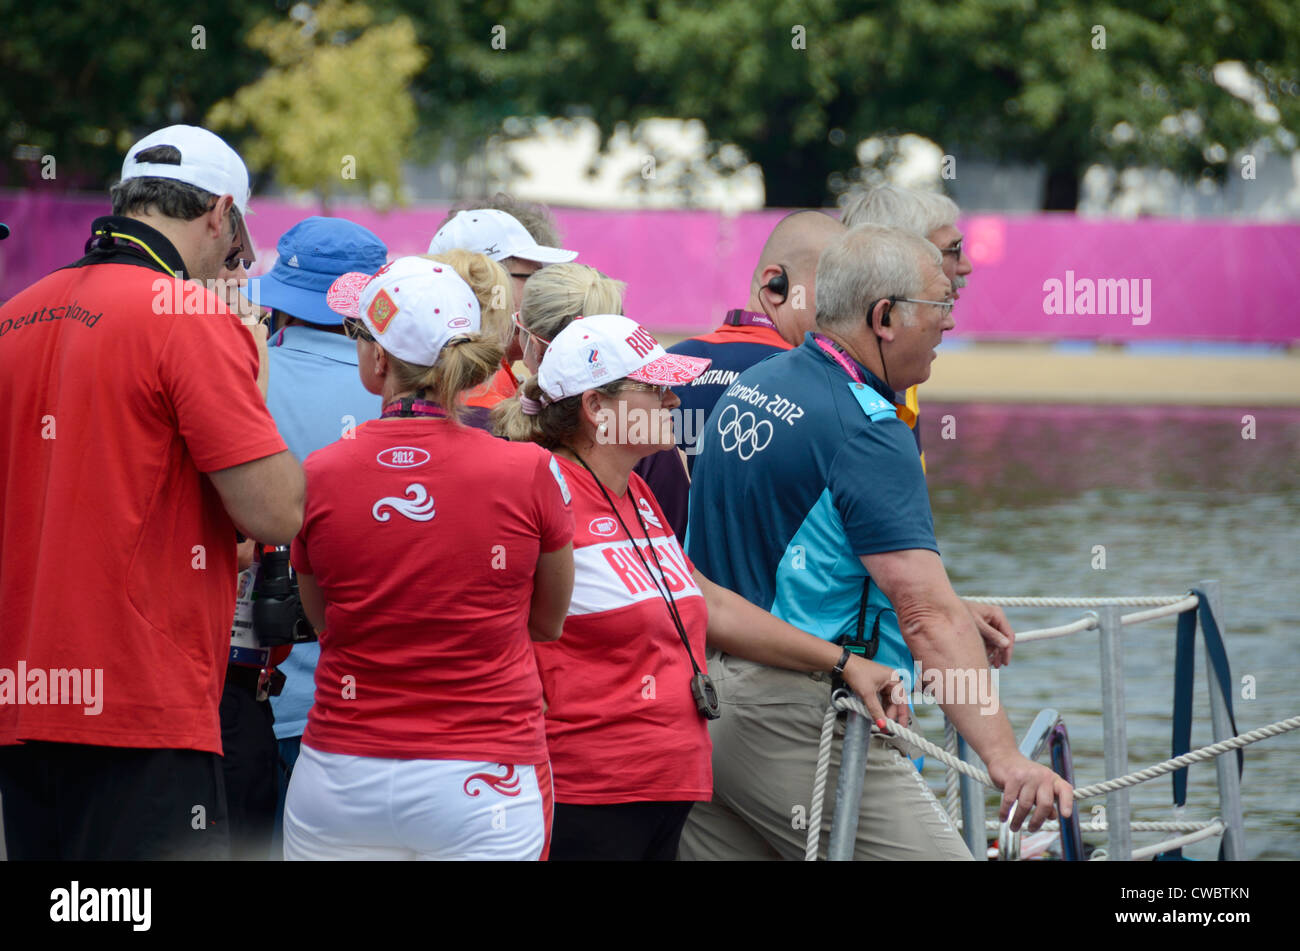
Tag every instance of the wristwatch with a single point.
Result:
(838, 669)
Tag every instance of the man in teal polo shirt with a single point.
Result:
(809, 500)
(316, 398)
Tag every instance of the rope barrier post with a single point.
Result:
(1114, 724)
(972, 806)
(1234, 841)
(848, 790)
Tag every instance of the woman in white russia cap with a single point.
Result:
(627, 694)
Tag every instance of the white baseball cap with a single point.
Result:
(498, 235)
(207, 162)
(412, 306)
(602, 348)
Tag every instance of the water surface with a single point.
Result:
(1021, 497)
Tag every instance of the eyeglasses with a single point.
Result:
(954, 249)
(945, 306)
(356, 329)
(514, 319)
(522, 277)
(234, 260)
(660, 391)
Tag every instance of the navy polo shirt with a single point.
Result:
(733, 350)
(802, 470)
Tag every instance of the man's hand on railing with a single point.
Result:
(995, 629)
(1032, 787)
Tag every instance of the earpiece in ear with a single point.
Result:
(780, 284)
(884, 319)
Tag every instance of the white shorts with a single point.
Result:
(364, 807)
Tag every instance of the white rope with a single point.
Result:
(1130, 602)
(1087, 623)
(819, 785)
(1195, 756)
(852, 703)
(952, 782)
(1052, 825)
(1096, 789)
(1178, 607)
(1090, 621)
(1147, 851)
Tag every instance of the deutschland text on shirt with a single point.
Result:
(71, 311)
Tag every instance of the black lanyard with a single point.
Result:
(104, 240)
(664, 592)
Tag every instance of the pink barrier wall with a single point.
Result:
(1139, 280)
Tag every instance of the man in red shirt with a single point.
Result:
(135, 443)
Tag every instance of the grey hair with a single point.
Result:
(536, 219)
(557, 294)
(910, 209)
(869, 262)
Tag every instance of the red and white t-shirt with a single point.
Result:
(621, 722)
(117, 557)
(424, 538)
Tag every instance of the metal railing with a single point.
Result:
(1048, 731)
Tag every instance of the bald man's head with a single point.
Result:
(793, 247)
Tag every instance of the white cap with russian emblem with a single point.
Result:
(412, 307)
(602, 348)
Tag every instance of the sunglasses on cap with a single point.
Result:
(355, 329)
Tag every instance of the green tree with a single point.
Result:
(334, 106)
(82, 80)
(798, 84)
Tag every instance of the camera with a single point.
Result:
(278, 618)
(706, 696)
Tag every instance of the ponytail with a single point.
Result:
(463, 364)
(557, 294)
(492, 286)
(555, 425)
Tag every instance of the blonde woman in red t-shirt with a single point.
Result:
(626, 691)
(430, 554)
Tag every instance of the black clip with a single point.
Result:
(857, 644)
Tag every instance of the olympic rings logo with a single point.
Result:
(743, 433)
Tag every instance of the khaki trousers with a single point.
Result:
(764, 759)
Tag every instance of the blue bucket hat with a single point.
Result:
(313, 253)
